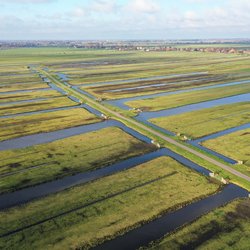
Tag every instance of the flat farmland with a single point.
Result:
(182, 99)
(234, 145)
(203, 122)
(9, 67)
(71, 178)
(224, 228)
(154, 64)
(20, 82)
(68, 156)
(38, 105)
(23, 96)
(168, 84)
(21, 87)
(44, 122)
(28, 78)
(104, 208)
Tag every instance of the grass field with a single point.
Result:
(5, 98)
(154, 64)
(44, 122)
(86, 215)
(10, 68)
(199, 123)
(235, 145)
(176, 100)
(157, 86)
(20, 87)
(51, 103)
(68, 156)
(135, 201)
(19, 79)
(227, 227)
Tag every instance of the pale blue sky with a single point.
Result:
(124, 19)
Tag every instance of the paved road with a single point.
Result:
(150, 130)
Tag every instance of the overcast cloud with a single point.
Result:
(124, 19)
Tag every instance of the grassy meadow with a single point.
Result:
(22, 96)
(235, 145)
(51, 103)
(154, 64)
(226, 227)
(156, 86)
(86, 215)
(182, 99)
(45, 122)
(207, 121)
(21, 87)
(117, 203)
(68, 156)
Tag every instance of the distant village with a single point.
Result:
(215, 46)
(193, 49)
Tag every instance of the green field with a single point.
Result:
(203, 122)
(67, 157)
(235, 145)
(18, 87)
(5, 98)
(44, 122)
(86, 215)
(176, 100)
(154, 64)
(51, 103)
(19, 79)
(227, 227)
(109, 216)
(170, 84)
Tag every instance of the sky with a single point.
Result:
(123, 19)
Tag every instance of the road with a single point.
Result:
(104, 109)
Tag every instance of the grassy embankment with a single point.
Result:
(104, 208)
(44, 122)
(176, 100)
(57, 102)
(226, 227)
(67, 157)
(203, 122)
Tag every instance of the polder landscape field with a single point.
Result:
(111, 149)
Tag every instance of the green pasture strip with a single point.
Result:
(222, 67)
(44, 122)
(90, 225)
(68, 156)
(182, 99)
(227, 227)
(180, 85)
(4, 98)
(207, 121)
(51, 103)
(235, 145)
(20, 87)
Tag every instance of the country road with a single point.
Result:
(150, 130)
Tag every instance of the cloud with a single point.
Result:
(108, 19)
(108, 6)
(78, 12)
(143, 6)
(26, 1)
(105, 7)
